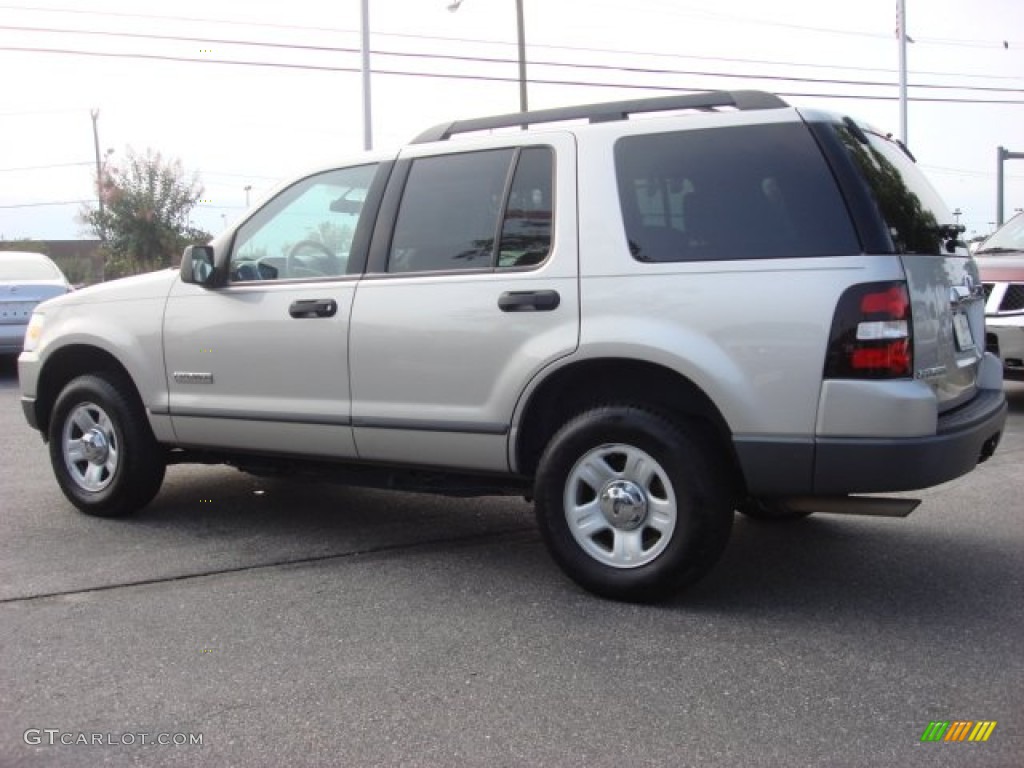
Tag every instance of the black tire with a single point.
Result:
(103, 452)
(770, 510)
(616, 541)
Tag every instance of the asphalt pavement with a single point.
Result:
(289, 623)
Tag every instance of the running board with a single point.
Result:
(873, 506)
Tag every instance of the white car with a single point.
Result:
(1001, 264)
(26, 279)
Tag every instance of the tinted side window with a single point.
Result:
(448, 218)
(745, 192)
(306, 231)
(526, 230)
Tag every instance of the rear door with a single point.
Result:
(472, 289)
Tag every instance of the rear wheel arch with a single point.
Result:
(571, 390)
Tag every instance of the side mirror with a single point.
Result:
(198, 266)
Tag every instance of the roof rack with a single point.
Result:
(607, 112)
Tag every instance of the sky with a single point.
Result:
(250, 93)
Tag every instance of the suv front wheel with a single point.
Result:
(103, 452)
(629, 502)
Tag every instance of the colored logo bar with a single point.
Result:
(958, 730)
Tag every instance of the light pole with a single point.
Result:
(521, 40)
(901, 28)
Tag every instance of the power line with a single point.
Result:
(773, 62)
(159, 17)
(967, 43)
(305, 28)
(965, 172)
(493, 60)
(534, 80)
(43, 167)
(659, 71)
(40, 205)
(179, 38)
(37, 112)
(734, 19)
(442, 38)
(486, 59)
(241, 176)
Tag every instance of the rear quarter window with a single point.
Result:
(744, 192)
(915, 215)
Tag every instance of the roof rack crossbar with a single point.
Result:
(611, 111)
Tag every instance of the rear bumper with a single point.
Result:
(12, 338)
(836, 466)
(965, 437)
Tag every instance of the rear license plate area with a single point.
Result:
(962, 332)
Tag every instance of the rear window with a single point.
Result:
(22, 268)
(744, 192)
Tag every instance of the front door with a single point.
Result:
(263, 361)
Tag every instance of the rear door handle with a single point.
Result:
(313, 308)
(529, 301)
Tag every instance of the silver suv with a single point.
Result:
(643, 315)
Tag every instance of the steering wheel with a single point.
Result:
(297, 266)
(254, 269)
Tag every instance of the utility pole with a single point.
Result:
(521, 38)
(367, 119)
(521, 44)
(95, 114)
(1002, 155)
(901, 29)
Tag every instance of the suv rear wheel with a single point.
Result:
(629, 503)
(103, 452)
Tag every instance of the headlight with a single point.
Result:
(34, 331)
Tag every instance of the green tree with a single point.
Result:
(145, 221)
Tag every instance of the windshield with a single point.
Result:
(1008, 239)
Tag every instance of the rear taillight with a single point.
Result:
(871, 334)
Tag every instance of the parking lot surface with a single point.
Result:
(289, 623)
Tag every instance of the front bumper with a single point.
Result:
(12, 338)
(28, 406)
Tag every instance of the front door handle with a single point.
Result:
(313, 308)
(529, 301)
